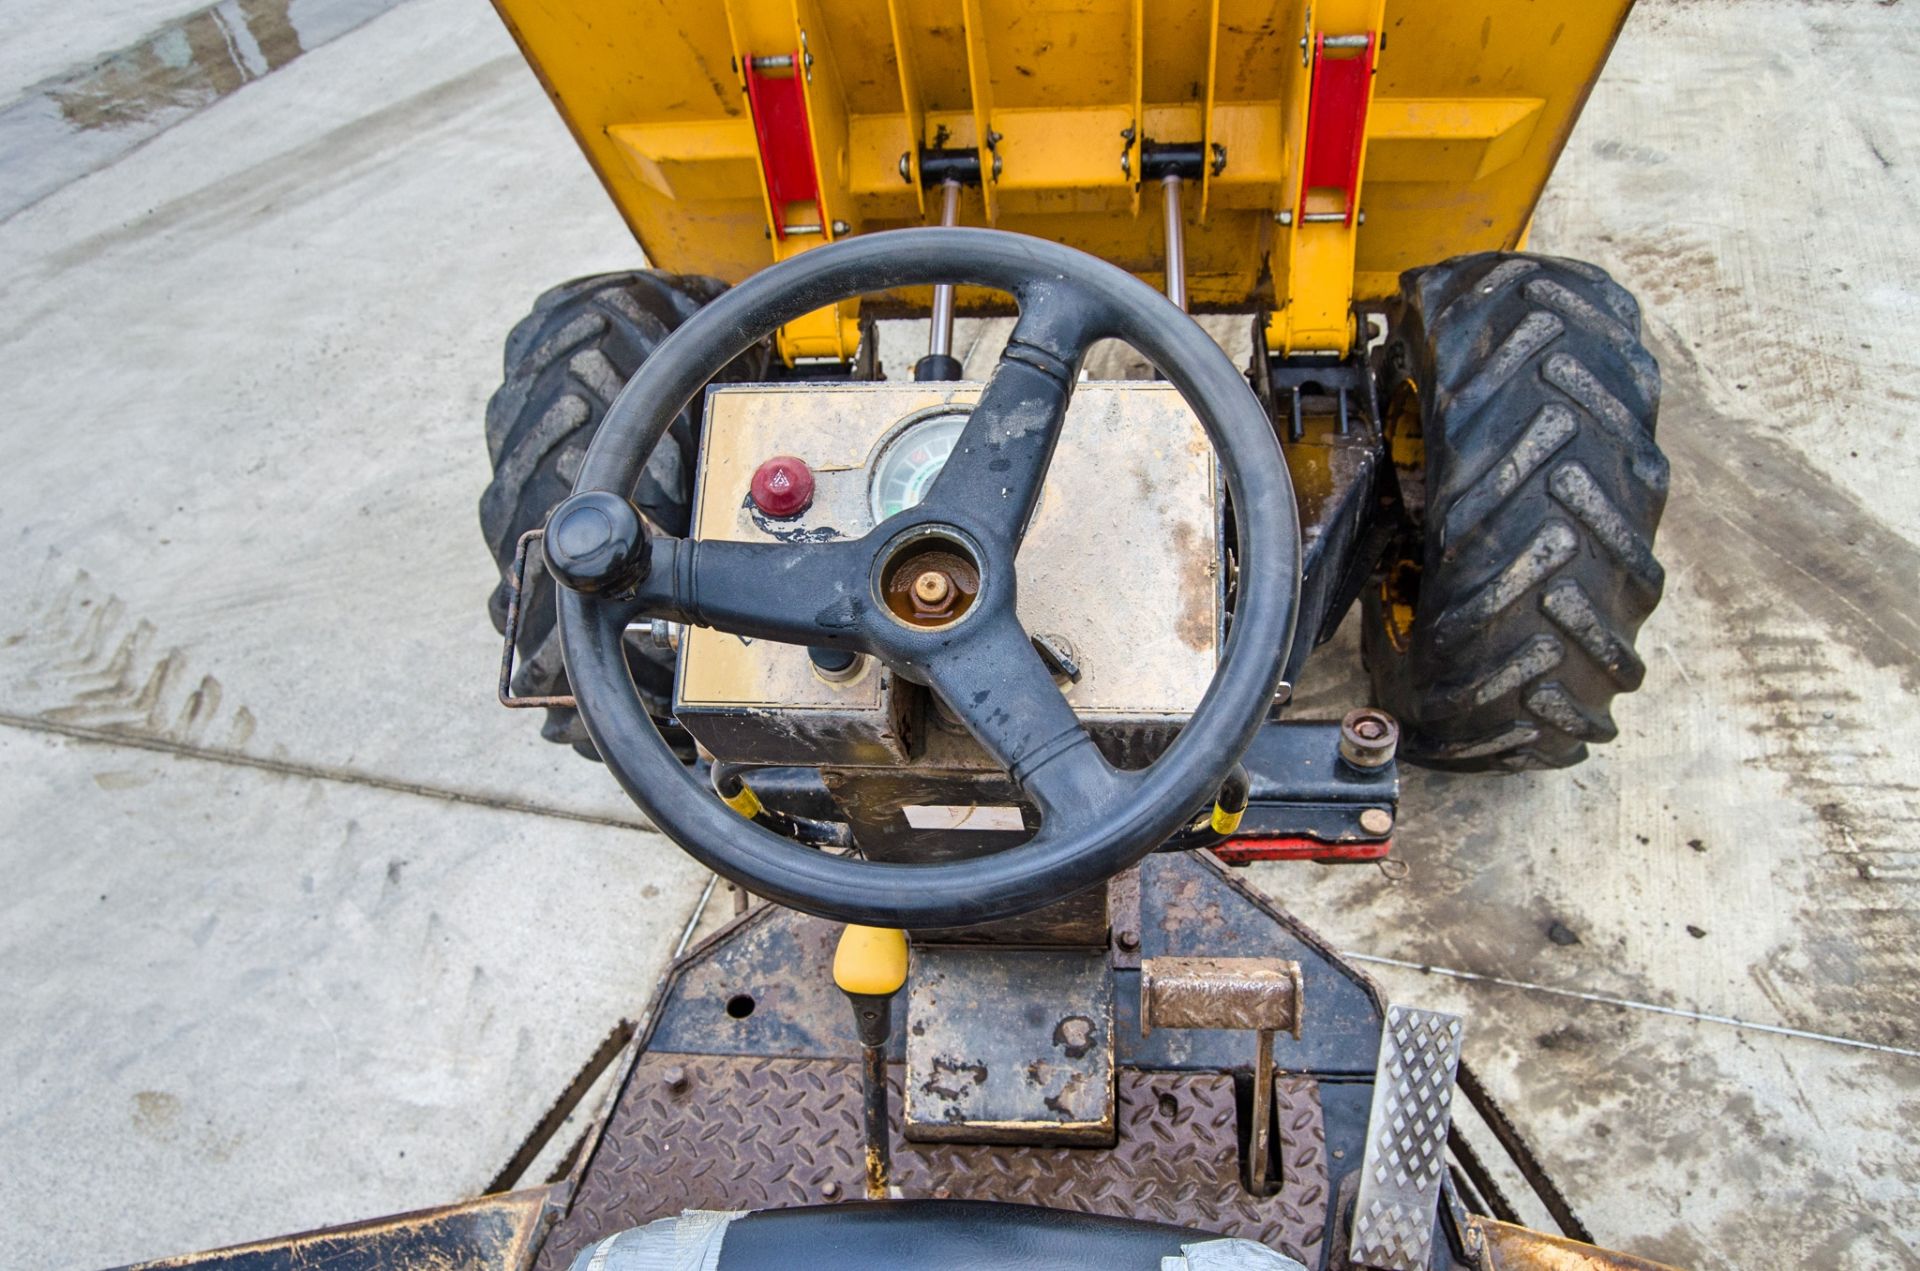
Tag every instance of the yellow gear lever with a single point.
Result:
(869, 966)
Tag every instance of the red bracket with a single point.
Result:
(779, 109)
(1336, 123)
(1245, 851)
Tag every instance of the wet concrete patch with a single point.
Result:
(64, 128)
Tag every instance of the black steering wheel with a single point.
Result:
(1096, 820)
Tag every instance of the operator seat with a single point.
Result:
(921, 1235)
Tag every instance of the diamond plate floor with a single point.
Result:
(719, 1132)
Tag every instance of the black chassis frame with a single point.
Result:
(1333, 436)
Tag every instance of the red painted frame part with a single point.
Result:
(779, 109)
(1245, 851)
(1336, 124)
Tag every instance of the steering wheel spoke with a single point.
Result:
(994, 681)
(1000, 460)
(792, 593)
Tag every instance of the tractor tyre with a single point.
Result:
(1519, 406)
(565, 363)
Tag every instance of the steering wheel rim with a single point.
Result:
(1096, 820)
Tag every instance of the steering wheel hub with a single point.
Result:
(929, 577)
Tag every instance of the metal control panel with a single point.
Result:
(1121, 568)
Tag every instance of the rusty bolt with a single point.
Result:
(1376, 821)
(1129, 939)
(934, 594)
(676, 1078)
(932, 587)
(1368, 738)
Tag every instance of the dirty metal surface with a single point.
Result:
(1183, 905)
(875, 804)
(762, 702)
(1010, 1045)
(493, 1233)
(1192, 906)
(1511, 1248)
(778, 960)
(1299, 787)
(793, 1123)
(713, 1132)
(1262, 994)
(1123, 917)
(1399, 1186)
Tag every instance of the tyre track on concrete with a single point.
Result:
(1806, 573)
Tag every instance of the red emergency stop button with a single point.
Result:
(782, 486)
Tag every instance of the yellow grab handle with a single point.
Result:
(870, 960)
(746, 803)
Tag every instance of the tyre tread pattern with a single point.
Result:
(564, 364)
(1544, 486)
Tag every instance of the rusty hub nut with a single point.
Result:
(932, 587)
(933, 594)
(1368, 738)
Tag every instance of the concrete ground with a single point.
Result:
(297, 927)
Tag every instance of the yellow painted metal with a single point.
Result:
(1206, 110)
(795, 29)
(1448, 138)
(1313, 262)
(1498, 49)
(830, 334)
(986, 140)
(827, 116)
(746, 802)
(1472, 103)
(1134, 134)
(916, 111)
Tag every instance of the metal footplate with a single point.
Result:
(1399, 1191)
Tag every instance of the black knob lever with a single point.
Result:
(596, 543)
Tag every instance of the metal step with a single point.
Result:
(1399, 1191)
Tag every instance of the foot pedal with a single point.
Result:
(1399, 1192)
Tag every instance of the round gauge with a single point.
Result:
(911, 459)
